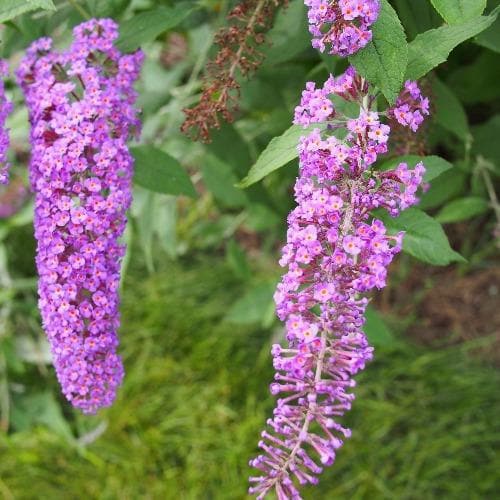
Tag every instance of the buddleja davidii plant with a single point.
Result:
(337, 250)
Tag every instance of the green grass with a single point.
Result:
(425, 423)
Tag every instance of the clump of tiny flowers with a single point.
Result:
(341, 27)
(336, 253)
(81, 106)
(5, 110)
(411, 107)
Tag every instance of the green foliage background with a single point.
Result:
(195, 397)
(197, 310)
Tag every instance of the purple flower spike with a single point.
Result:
(5, 110)
(336, 253)
(81, 111)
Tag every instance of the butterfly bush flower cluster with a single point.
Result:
(5, 110)
(411, 107)
(81, 106)
(336, 253)
(341, 27)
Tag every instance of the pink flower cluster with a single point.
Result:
(411, 107)
(336, 253)
(81, 106)
(366, 138)
(315, 106)
(5, 110)
(341, 26)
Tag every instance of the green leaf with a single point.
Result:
(376, 330)
(330, 62)
(487, 139)
(431, 48)
(12, 8)
(228, 145)
(159, 172)
(490, 38)
(383, 61)
(237, 260)
(459, 11)
(220, 180)
(289, 35)
(153, 230)
(462, 209)
(165, 223)
(424, 237)
(261, 217)
(256, 306)
(109, 8)
(349, 109)
(470, 88)
(40, 409)
(146, 26)
(416, 17)
(450, 113)
(434, 165)
(444, 187)
(279, 152)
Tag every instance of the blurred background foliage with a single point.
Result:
(201, 268)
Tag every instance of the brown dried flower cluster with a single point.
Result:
(238, 55)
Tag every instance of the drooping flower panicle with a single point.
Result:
(5, 110)
(336, 253)
(81, 107)
(341, 27)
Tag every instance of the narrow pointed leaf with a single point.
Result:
(462, 209)
(431, 48)
(146, 26)
(459, 11)
(434, 165)
(278, 153)
(9, 9)
(424, 237)
(159, 172)
(383, 61)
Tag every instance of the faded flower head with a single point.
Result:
(238, 57)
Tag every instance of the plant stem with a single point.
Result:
(483, 168)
